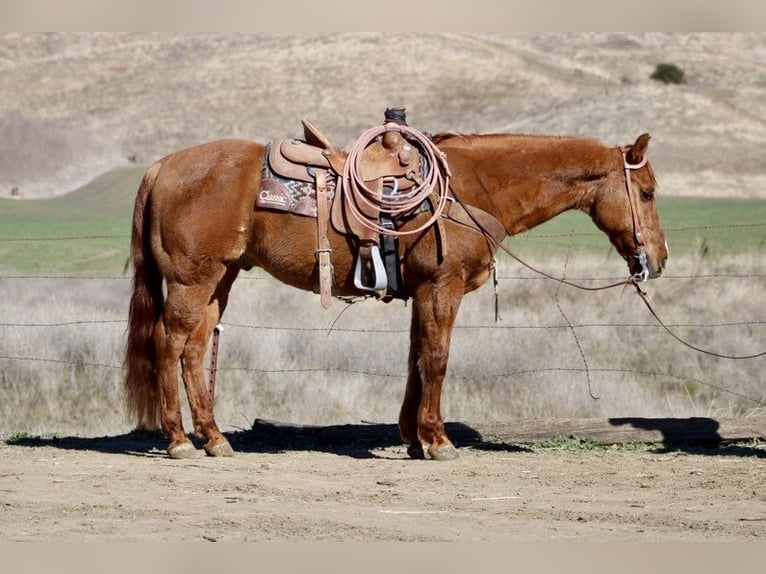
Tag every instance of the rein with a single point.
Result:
(643, 275)
(635, 279)
(396, 204)
(645, 298)
(638, 236)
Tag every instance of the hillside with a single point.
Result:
(77, 105)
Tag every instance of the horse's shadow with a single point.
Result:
(695, 435)
(699, 436)
(353, 440)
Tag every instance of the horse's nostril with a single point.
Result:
(663, 263)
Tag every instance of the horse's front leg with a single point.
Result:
(421, 426)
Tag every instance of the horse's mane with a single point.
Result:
(444, 136)
(438, 138)
(595, 145)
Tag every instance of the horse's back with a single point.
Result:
(217, 162)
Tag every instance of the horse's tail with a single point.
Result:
(146, 304)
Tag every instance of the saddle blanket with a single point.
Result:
(291, 195)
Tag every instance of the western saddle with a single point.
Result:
(389, 166)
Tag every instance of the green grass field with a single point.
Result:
(87, 232)
(719, 226)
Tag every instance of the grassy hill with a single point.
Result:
(83, 232)
(77, 105)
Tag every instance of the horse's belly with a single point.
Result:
(285, 245)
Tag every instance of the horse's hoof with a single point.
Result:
(448, 452)
(415, 451)
(183, 450)
(219, 449)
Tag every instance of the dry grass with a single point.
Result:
(313, 366)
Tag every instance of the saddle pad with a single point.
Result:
(291, 195)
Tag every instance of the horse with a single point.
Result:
(196, 225)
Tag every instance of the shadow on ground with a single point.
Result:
(698, 436)
(353, 440)
(694, 435)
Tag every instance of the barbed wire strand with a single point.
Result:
(492, 326)
(403, 376)
(525, 236)
(267, 277)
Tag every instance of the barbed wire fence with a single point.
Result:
(753, 324)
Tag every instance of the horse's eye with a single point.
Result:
(647, 195)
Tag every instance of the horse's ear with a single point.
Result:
(638, 149)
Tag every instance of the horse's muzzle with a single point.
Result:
(657, 269)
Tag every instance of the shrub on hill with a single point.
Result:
(668, 74)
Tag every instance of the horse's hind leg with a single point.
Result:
(185, 308)
(170, 336)
(193, 373)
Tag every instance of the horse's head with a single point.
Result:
(626, 209)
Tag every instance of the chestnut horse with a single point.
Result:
(195, 226)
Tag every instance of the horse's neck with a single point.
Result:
(528, 202)
(529, 180)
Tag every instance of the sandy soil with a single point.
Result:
(290, 487)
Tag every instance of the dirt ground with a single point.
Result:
(293, 486)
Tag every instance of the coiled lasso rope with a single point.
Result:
(397, 204)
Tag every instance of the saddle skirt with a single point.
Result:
(288, 186)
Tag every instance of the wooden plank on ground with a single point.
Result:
(532, 431)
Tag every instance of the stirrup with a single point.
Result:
(379, 270)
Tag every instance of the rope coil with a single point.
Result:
(397, 204)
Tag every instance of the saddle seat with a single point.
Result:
(389, 157)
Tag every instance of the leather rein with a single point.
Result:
(643, 275)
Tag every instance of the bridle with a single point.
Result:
(634, 280)
(640, 252)
(638, 236)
